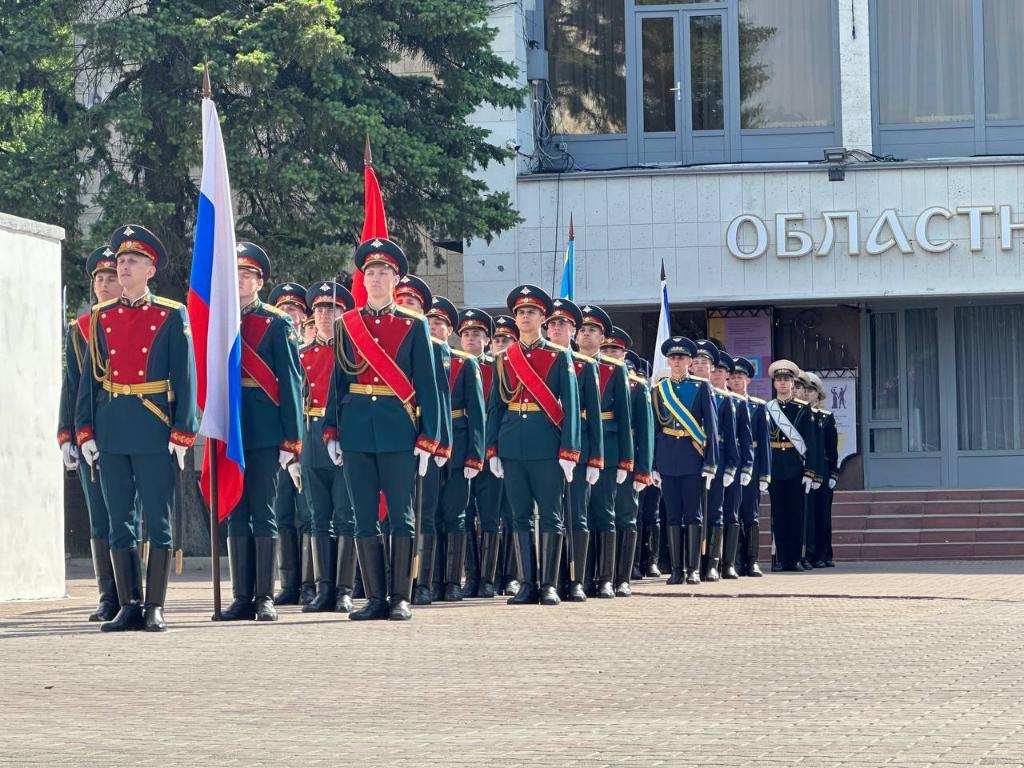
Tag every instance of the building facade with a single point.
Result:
(832, 181)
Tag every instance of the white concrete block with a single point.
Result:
(640, 200)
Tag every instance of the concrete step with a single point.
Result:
(960, 494)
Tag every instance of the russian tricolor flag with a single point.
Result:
(216, 321)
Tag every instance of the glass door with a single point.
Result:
(660, 110)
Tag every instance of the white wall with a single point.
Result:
(31, 480)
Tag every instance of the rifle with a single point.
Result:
(567, 523)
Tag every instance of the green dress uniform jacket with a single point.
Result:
(591, 434)
(615, 423)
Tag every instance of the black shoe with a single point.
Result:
(754, 570)
(693, 541)
(623, 590)
(265, 610)
(422, 595)
(605, 565)
(526, 561)
(651, 569)
(819, 564)
(264, 600)
(107, 607)
(487, 587)
(345, 576)
(732, 538)
(526, 595)
(158, 573)
(400, 610)
(325, 568)
(128, 619)
(675, 553)
(241, 551)
(693, 577)
(511, 587)
(487, 590)
(455, 556)
(288, 567)
(307, 585)
(806, 564)
(548, 596)
(575, 593)
(452, 593)
(635, 574)
(370, 550)
(551, 558)
(344, 601)
(830, 563)
(403, 552)
(153, 619)
(128, 578)
(714, 554)
(624, 562)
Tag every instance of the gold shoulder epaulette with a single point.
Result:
(103, 304)
(735, 395)
(611, 361)
(460, 353)
(757, 400)
(822, 410)
(169, 303)
(725, 392)
(556, 346)
(584, 358)
(274, 310)
(411, 312)
(442, 342)
(798, 401)
(691, 377)
(487, 357)
(637, 379)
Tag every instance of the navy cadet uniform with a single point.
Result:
(333, 527)
(271, 439)
(728, 462)
(761, 471)
(627, 498)
(734, 493)
(818, 517)
(384, 414)
(814, 458)
(429, 585)
(792, 468)
(505, 328)
(76, 357)
(291, 508)
(530, 441)
(591, 460)
(685, 456)
(466, 457)
(136, 403)
(823, 504)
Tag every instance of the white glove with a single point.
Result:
(470, 472)
(762, 486)
(807, 483)
(295, 473)
(334, 451)
(815, 484)
(709, 478)
(178, 452)
(496, 469)
(284, 458)
(831, 483)
(656, 479)
(567, 468)
(424, 459)
(440, 460)
(69, 454)
(638, 486)
(745, 479)
(593, 475)
(620, 476)
(727, 479)
(89, 452)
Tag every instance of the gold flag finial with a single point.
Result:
(207, 89)
(367, 157)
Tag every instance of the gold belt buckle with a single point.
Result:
(126, 389)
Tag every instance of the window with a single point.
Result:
(990, 377)
(1004, 64)
(885, 365)
(586, 43)
(923, 433)
(786, 53)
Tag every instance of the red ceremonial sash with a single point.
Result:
(534, 384)
(453, 372)
(256, 368)
(375, 355)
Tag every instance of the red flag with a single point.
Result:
(375, 223)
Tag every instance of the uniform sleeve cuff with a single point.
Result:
(573, 456)
(84, 435)
(292, 446)
(424, 443)
(444, 451)
(491, 453)
(64, 436)
(597, 462)
(330, 433)
(709, 470)
(642, 477)
(474, 464)
(834, 476)
(747, 469)
(182, 438)
(730, 471)
(626, 465)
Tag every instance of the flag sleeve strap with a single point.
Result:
(568, 392)
(182, 375)
(441, 355)
(623, 418)
(424, 381)
(289, 383)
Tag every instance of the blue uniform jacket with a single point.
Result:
(675, 453)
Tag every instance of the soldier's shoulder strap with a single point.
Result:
(757, 400)
(611, 360)
(723, 392)
(581, 356)
(460, 353)
(274, 310)
(440, 342)
(104, 304)
(169, 303)
(410, 312)
(691, 377)
(798, 401)
(637, 379)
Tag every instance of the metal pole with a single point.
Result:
(567, 523)
(214, 527)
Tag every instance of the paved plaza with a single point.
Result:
(916, 664)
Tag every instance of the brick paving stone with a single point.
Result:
(874, 664)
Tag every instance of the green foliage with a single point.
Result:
(100, 121)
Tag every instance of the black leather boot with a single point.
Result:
(732, 537)
(526, 560)
(714, 555)
(346, 578)
(424, 594)
(627, 547)
(580, 546)
(158, 573)
(454, 556)
(128, 578)
(403, 550)
(693, 554)
(606, 565)
(510, 576)
(651, 569)
(107, 607)
(753, 545)
(551, 558)
(675, 554)
(589, 575)
(437, 568)
(488, 565)
(472, 558)
(288, 567)
(325, 567)
(240, 561)
(307, 587)
(370, 550)
(264, 601)
(358, 591)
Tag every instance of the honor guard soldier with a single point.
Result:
(384, 424)
(290, 508)
(685, 453)
(750, 496)
(804, 392)
(414, 294)
(271, 438)
(720, 375)
(822, 543)
(627, 498)
(505, 334)
(136, 415)
(791, 430)
(101, 267)
(648, 517)
(333, 531)
(475, 329)
(533, 439)
(466, 401)
(704, 366)
(617, 437)
(561, 327)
